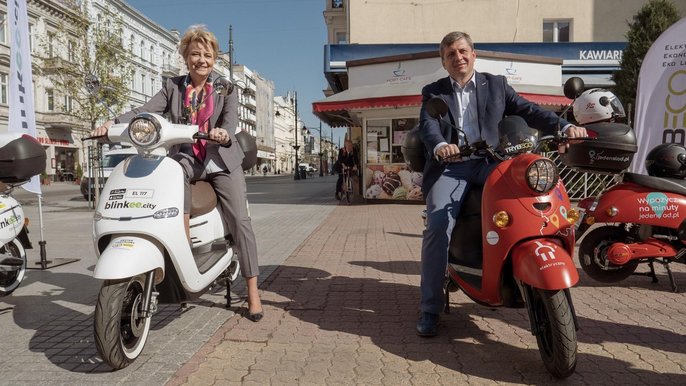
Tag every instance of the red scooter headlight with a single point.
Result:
(541, 175)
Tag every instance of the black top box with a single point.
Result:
(611, 150)
(21, 159)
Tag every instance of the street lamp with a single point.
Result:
(321, 153)
(295, 130)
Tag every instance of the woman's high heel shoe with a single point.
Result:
(256, 317)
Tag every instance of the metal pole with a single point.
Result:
(295, 114)
(321, 151)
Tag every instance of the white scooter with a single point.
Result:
(139, 236)
(21, 157)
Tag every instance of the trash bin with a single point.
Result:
(303, 174)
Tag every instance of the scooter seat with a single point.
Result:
(203, 198)
(663, 184)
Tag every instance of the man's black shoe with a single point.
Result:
(427, 324)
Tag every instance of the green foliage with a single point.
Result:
(79, 171)
(647, 25)
(83, 49)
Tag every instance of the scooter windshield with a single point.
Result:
(515, 136)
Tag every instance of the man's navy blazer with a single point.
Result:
(495, 98)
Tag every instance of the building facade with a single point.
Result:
(154, 57)
(376, 67)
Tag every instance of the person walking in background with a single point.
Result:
(348, 157)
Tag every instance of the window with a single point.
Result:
(50, 99)
(51, 46)
(68, 103)
(336, 3)
(31, 28)
(4, 78)
(71, 51)
(152, 54)
(152, 85)
(340, 38)
(556, 31)
(143, 83)
(142, 49)
(3, 27)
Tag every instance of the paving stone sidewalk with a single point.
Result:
(342, 308)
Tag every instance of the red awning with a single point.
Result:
(548, 100)
(368, 103)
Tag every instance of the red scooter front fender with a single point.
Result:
(544, 264)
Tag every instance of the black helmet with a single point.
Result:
(515, 136)
(667, 160)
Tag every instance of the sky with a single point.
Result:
(282, 40)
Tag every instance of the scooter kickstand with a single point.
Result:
(228, 293)
(670, 276)
(652, 271)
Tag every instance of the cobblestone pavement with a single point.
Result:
(46, 325)
(342, 309)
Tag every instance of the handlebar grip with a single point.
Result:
(92, 137)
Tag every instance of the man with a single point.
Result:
(477, 102)
(346, 157)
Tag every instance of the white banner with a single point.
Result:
(22, 117)
(661, 94)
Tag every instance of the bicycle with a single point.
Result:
(347, 186)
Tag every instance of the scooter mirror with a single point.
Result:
(436, 107)
(223, 86)
(574, 86)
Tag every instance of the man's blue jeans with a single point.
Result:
(443, 204)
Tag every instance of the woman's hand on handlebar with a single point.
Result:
(102, 130)
(220, 135)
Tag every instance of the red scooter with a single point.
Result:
(641, 220)
(513, 242)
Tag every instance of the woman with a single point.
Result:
(189, 99)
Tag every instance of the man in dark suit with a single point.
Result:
(477, 102)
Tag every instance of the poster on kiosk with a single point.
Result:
(661, 95)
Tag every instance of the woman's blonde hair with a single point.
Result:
(198, 33)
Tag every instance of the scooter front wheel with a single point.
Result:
(556, 336)
(10, 279)
(593, 255)
(121, 330)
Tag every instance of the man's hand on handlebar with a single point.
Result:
(448, 152)
(572, 132)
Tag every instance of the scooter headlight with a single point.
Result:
(541, 176)
(144, 130)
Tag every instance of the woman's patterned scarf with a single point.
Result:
(200, 107)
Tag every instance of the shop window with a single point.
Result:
(386, 173)
(556, 31)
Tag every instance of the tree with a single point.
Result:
(647, 25)
(81, 50)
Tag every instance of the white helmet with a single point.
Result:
(597, 105)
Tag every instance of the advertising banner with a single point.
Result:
(22, 116)
(661, 95)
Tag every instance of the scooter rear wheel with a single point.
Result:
(593, 255)
(120, 329)
(556, 336)
(10, 280)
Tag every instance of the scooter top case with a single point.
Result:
(21, 157)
